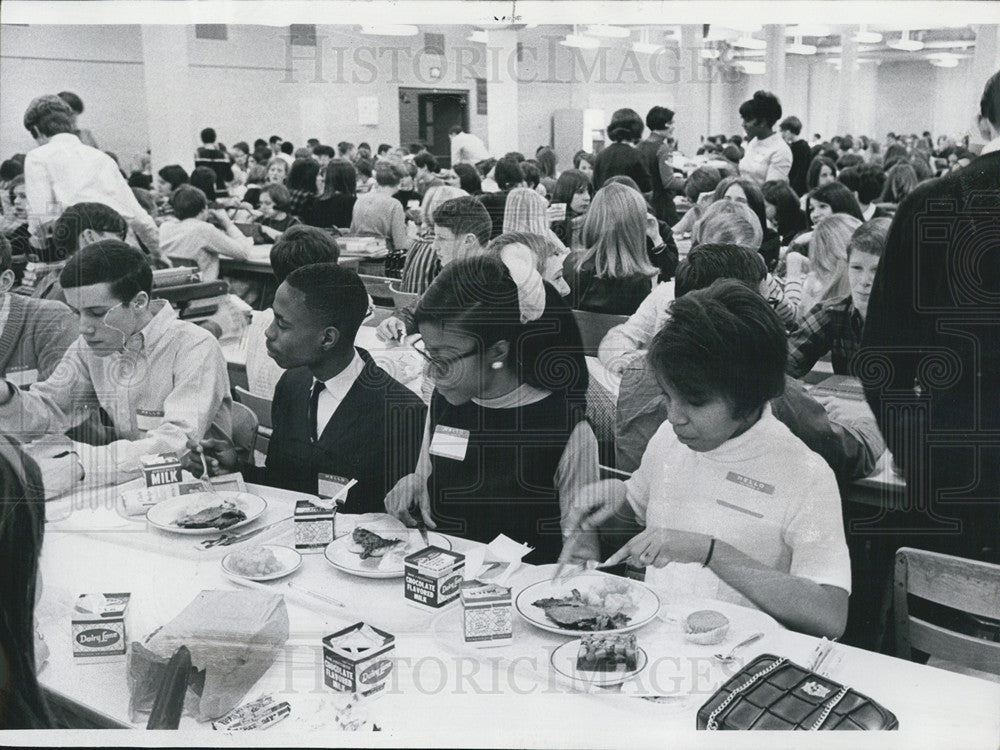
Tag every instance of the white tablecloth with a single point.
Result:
(443, 692)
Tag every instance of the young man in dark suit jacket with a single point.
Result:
(336, 414)
(933, 341)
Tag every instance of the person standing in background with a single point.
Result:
(622, 157)
(655, 151)
(62, 171)
(466, 148)
(790, 128)
(767, 156)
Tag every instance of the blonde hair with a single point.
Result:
(524, 211)
(728, 223)
(433, 198)
(541, 247)
(614, 234)
(827, 279)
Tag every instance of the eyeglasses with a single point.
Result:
(438, 365)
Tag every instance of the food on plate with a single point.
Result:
(606, 606)
(367, 543)
(607, 652)
(258, 561)
(218, 516)
(706, 627)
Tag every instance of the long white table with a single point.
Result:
(444, 693)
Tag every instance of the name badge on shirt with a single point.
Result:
(449, 442)
(22, 378)
(328, 485)
(148, 419)
(748, 482)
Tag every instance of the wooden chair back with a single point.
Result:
(401, 299)
(245, 426)
(379, 289)
(970, 586)
(594, 326)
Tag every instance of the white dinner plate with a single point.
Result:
(290, 561)
(563, 660)
(166, 514)
(647, 605)
(341, 555)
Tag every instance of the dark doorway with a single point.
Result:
(426, 115)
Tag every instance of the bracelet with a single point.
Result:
(708, 557)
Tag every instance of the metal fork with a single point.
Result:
(228, 538)
(206, 482)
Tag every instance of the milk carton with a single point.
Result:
(98, 626)
(358, 659)
(313, 526)
(487, 619)
(432, 577)
(161, 469)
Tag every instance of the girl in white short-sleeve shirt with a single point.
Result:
(728, 504)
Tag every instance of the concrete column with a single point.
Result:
(847, 91)
(501, 92)
(693, 92)
(774, 59)
(172, 136)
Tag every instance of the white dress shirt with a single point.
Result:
(63, 172)
(467, 148)
(767, 159)
(336, 389)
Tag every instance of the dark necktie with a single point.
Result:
(318, 386)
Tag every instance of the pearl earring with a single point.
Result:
(496, 365)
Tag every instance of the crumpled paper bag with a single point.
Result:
(233, 636)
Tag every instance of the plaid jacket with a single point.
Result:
(833, 327)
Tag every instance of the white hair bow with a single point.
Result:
(530, 288)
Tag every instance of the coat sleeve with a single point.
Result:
(894, 332)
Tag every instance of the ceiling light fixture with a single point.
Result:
(580, 41)
(644, 46)
(749, 42)
(864, 36)
(906, 44)
(798, 48)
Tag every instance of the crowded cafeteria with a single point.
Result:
(554, 376)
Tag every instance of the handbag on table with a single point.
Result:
(773, 693)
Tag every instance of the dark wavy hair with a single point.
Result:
(22, 529)
(815, 167)
(723, 341)
(839, 198)
(302, 175)
(340, 177)
(763, 106)
(569, 184)
(787, 213)
(477, 297)
(755, 198)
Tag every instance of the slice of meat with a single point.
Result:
(217, 517)
(572, 613)
(372, 545)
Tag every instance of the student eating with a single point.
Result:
(161, 380)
